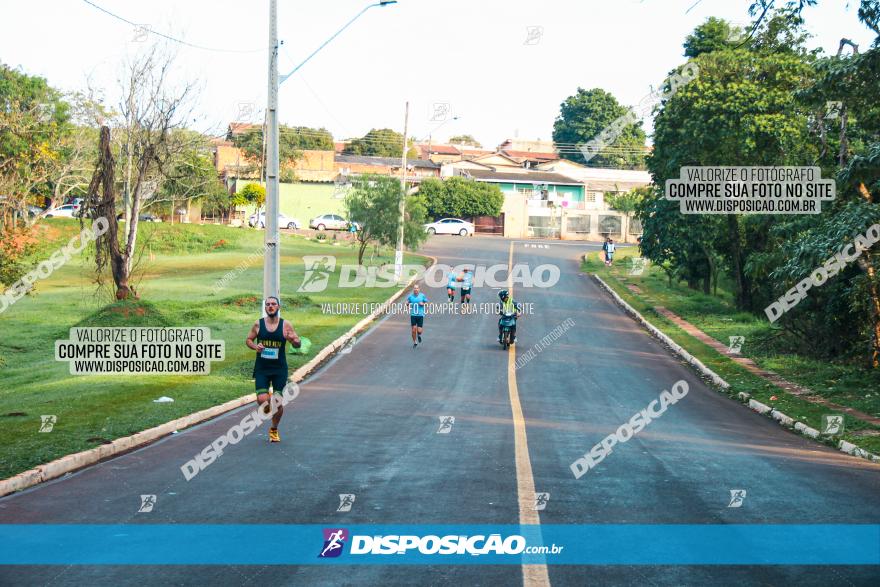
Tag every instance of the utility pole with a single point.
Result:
(398, 255)
(272, 262)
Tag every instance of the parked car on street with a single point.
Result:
(65, 211)
(283, 221)
(145, 217)
(450, 226)
(329, 221)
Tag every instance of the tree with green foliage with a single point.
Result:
(715, 34)
(838, 318)
(741, 109)
(582, 118)
(292, 141)
(378, 142)
(412, 151)
(627, 202)
(254, 193)
(307, 139)
(374, 204)
(34, 119)
(465, 140)
(222, 204)
(765, 102)
(461, 198)
(192, 177)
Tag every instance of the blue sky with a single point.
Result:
(474, 55)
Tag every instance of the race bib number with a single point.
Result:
(269, 354)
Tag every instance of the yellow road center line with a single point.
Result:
(533, 575)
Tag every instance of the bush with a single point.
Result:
(16, 247)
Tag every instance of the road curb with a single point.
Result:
(784, 420)
(73, 462)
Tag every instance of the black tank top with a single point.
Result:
(275, 343)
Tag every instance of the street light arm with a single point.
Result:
(283, 78)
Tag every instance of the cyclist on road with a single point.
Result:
(508, 306)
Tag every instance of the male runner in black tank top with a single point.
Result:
(268, 337)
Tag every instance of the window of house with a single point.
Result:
(580, 224)
(609, 225)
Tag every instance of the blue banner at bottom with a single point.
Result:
(601, 544)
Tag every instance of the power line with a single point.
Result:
(168, 37)
(559, 147)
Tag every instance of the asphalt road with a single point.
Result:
(367, 423)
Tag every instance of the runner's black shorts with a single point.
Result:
(262, 379)
(416, 321)
(465, 292)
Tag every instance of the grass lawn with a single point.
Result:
(178, 270)
(845, 384)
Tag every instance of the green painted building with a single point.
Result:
(303, 200)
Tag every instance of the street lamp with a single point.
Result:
(272, 261)
(435, 129)
(325, 43)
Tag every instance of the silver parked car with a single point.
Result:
(331, 221)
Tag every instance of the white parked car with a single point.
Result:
(283, 221)
(331, 221)
(65, 211)
(450, 226)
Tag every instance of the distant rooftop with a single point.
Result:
(384, 161)
(520, 177)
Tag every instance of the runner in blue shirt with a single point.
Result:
(467, 281)
(451, 284)
(417, 301)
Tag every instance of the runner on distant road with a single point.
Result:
(268, 336)
(417, 301)
(467, 281)
(452, 284)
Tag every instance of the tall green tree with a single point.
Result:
(741, 109)
(582, 118)
(715, 34)
(460, 197)
(292, 140)
(374, 204)
(34, 119)
(382, 142)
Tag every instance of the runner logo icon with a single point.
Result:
(334, 541)
(346, 500)
(318, 270)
